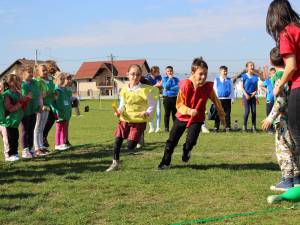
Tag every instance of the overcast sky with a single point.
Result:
(165, 32)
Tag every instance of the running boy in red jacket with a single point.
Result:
(191, 101)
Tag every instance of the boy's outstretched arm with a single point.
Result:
(216, 101)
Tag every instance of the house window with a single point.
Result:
(90, 80)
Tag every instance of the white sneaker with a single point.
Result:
(26, 154)
(204, 129)
(138, 146)
(12, 158)
(114, 166)
(157, 130)
(151, 130)
(64, 147)
(60, 147)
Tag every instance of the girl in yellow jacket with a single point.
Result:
(137, 103)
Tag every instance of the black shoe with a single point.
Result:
(162, 166)
(166, 129)
(186, 156)
(46, 144)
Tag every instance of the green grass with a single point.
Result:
(227, 174)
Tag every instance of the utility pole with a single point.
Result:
(112, 74)
(36, 56)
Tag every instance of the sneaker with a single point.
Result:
(244, 129)
(138, 146)
(162, 166)
(296, 181)
(216, 130)
(227, 130)
(39, 152)
(186, 156)
(167, 130)
(254, 129)
(283, 185)
(114, 166)
(61, 147)
(46, 144)
(26, 154)
(12, 158)
(204, 129)
(157, 130)
(57, 147)
(151, 130)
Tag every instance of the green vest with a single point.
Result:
(47, 88)
(276, 76)
(2, 110)
(61, 106)
(13, 119)
(31, 87)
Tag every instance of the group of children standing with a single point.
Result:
(35, 99)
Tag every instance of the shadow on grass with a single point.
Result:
(17, 196)
(71, 163)
(13, 180)
(225, 166)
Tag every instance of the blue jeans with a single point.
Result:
(249, 105)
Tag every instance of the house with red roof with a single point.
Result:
(16, 66)
(95, 79)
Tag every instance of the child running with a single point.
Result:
(191, 101)
(137, 103)
(284, 145)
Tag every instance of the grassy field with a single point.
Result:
(227, 174)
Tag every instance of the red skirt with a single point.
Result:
(130, 131)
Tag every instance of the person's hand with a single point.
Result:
(117, 114)
(193, 112)
(222, 121)
(266, 124)
(277, 90)
(144, 114)
(253, 94)
(158, 84)
(247, 96)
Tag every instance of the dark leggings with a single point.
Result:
(249, 105)
(118, 144)
(175, 135)
(49, 124)
(170, 107)
(226, 104)
(13, 140)
(27, 126)
(294, 117)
